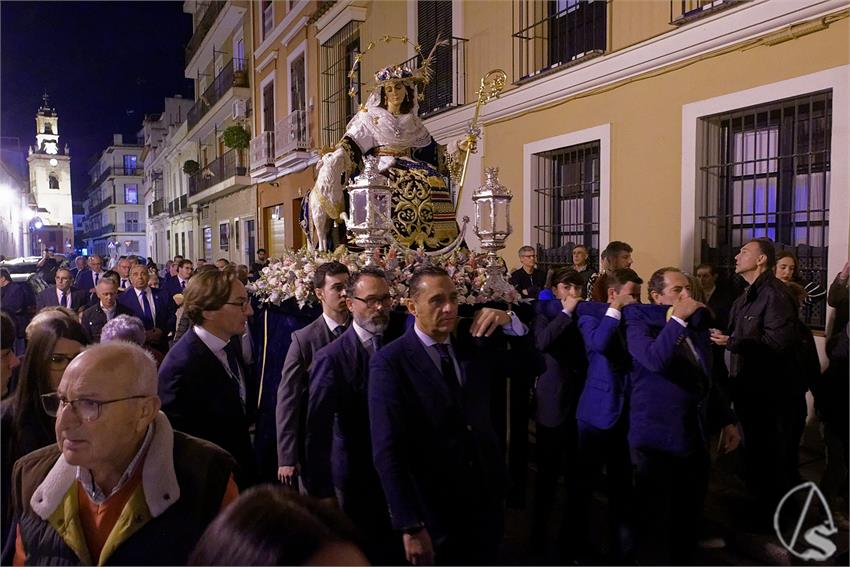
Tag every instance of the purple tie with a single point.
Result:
(148, 313)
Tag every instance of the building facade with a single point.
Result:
(115, 213)
(51, 223)
(210, 200)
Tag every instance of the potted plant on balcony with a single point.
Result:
(237, 137)
(191, 167)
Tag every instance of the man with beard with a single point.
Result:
(338, 446)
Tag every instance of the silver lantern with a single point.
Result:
(370, 207)
(493, 226)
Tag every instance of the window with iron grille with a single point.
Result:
(549, 34)
(434, 21)
(566, 188)
(267, 7)
(131, 221)
(337, 57)
(765, 171)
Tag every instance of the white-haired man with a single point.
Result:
(120, 486)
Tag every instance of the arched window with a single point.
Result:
(48, 128)
(54, 181)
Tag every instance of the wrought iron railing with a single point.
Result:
(101, 230)
(156, 208)
(684, 11)
(215, 172)
(447, 88)
(128, 171)
(100, 178)
(203, 27)
(224, 81)
(292, 133)
(262, 150)
(550, 35)
(101, 205)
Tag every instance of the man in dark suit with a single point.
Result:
(106, 309)
(18, 300)
(673, 407)
(152, 306)
(79, 266)
(338, 449)
(177, 284)
(62, 294)
(557, 337)
(438, 457)
(262, 262)
(329, 281)
(204, 386)
(88, 278)
(601, 414)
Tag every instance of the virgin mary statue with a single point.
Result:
(388, 126)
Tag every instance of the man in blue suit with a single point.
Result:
(62, 294)
(556, 393)
(601, 414)
(434, 447)
(88, 278)
(151, 305)
(204, 383)
(177, 284)
(673, 408)
(338, 461)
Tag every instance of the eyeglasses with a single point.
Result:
(240, 304)
(86, 410)
(61, 360)
(372, 302)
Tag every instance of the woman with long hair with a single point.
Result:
(53, 341)
(786, 271)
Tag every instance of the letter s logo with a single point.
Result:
(821, 547)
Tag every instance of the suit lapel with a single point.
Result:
(424, 370)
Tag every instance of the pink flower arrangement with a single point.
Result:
(291, 275)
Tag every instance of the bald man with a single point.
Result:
(116, 460)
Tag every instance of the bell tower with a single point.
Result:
(50, 169)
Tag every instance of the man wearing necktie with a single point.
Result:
(674, 407)
(151, 305)
(329, 281)
(338, 448)
(61, 294)
(205, 387)
(123, 269)
(438, 457)
(177, 284)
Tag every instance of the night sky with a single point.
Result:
(104, 64)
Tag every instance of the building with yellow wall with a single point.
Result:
(681, 127)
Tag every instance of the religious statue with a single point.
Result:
(388, 127)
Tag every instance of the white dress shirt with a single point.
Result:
(67, 298)
(149, 294)
(332, 325)
(216, 345)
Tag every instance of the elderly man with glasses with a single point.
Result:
(120, 486)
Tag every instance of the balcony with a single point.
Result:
(128, 171)
(156, 208)
(262, 155)
(223, 174)
(101, 231)
(178, 205)
(685, 11)
(448, 86)
(233, 74)
(100, 178)
(547, 40)
(100, 206)
(292, 139)
(204, 26)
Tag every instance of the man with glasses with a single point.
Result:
(62, 294)
(528, 279)
(204, 384)
(88, 278)
(338, 416)
(329, 281)
(121, 485)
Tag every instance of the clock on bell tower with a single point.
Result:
(50, 168)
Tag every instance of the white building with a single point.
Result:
(115, 212)
(13, 222)
(159, 176)
(50, 185)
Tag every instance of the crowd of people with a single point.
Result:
(130, 401)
